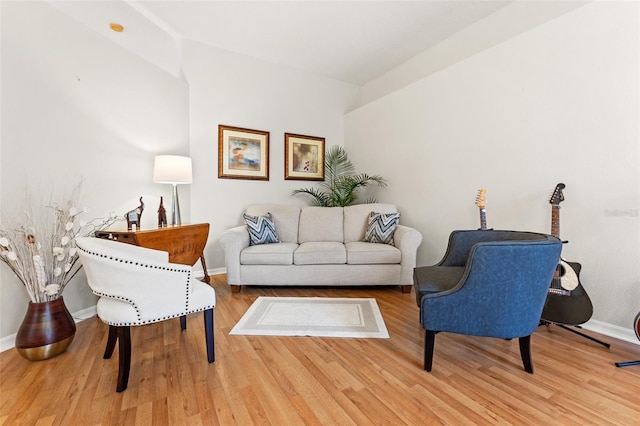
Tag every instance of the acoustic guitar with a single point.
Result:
(481, 202)
(567, 301)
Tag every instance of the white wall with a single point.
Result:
(559, 103)
(236, 90)
(506, 22)
(76, 105)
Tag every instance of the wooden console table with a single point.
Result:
(184, 243)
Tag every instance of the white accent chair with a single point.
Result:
(138, 286)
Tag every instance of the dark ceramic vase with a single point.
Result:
(46, 330)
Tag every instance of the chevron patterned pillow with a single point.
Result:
(381, 227)
(261, 229)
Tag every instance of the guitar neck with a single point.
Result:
(483, 218)
(555, 220)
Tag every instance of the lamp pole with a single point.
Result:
(175, 207)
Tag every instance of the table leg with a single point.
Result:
(206, 278)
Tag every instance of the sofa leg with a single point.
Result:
(235, 288)
(429, 344)
(406, 288)
(183, 322)
(525, 353)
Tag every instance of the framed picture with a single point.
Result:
(303, 157)
(243, 153)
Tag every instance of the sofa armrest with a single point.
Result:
(407, 240)
(233, 241)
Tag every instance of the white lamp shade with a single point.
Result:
(172, 169)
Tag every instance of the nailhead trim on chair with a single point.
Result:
(140, 322)
(108, 296)
(159, 319)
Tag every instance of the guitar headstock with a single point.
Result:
(481, 198)
(557, 197)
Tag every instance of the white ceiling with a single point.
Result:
(350, 41)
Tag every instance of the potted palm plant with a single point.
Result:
(341, 181)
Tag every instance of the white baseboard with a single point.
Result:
(617, 332)
(84, 314)
(216, 271)
(8, 342)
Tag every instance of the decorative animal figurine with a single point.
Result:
(162, 215)
(134, 216)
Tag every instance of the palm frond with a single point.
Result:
(341, 183)
(336, 164)
(318, 198)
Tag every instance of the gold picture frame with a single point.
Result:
(303, 157)
(243, 153)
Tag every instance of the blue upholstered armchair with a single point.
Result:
(489, 283)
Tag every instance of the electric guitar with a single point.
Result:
(481, 202)
(567, 301)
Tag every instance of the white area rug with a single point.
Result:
(313, 316)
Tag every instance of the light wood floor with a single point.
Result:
(319, 381)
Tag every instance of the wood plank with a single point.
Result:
(317, 381)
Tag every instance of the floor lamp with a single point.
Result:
(174, 170)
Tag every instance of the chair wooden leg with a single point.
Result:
(406, 288)
(429, 343)
(208, 331)
(124, 355)
(183, 322)
(111, 342)
(525, 353)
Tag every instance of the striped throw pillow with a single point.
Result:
(261, 229)
(381, 227)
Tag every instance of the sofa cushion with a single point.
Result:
(321, 224)
(261, 229)
(268, 254)
(356, 219)
(360, 253)
(285, 217)
(381, 227)
(320, 253)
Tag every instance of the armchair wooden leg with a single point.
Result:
(183, 322)
(124, 355)
(525, 353)
(111, 342)
(208, 331)
(406, 288)
(429, 344)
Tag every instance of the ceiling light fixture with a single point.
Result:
(116, 27)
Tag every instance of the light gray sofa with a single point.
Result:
(320, 246)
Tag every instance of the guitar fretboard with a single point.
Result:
(555, 220)
(483, 218)
(556, 283)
